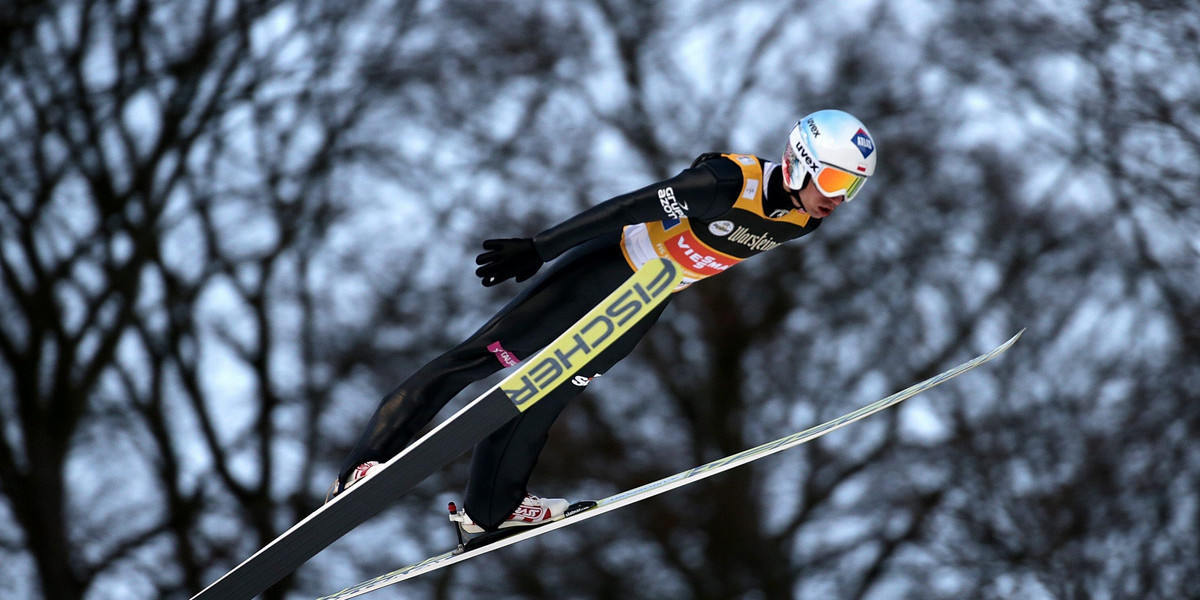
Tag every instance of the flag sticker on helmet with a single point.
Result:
(863, 142)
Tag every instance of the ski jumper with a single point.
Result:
(724, 209)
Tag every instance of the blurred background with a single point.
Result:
(228, 227)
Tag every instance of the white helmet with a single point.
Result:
(834, 148)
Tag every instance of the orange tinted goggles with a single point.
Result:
(834, 182)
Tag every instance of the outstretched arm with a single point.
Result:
(705, 190)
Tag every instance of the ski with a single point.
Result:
(530, 382)
(589, 510)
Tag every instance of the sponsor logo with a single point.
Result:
(720, 228)
(802, 152)
(582, 381)
(745, 160)
(863, 142)
(555, 364)
(683, 248)
(505, 357)
(812, 127)
(778, 213)
(757, 243)
(751, 189)
(529, 514)
(670, 205)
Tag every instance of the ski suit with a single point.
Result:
(721, 210)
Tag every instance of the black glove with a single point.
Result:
(513, 257)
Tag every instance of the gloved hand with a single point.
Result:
(512, 257)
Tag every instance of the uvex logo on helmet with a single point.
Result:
(808, 158)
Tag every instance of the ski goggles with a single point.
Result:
(832, 181)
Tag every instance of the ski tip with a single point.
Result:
(1002, 348)
(1016, 337)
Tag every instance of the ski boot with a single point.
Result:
(532, 511)
(359, 473)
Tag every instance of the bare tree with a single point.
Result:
(226, 228)
(984, 219)
(171, 175)
(219, 221)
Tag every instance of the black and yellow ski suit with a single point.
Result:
(723, 209)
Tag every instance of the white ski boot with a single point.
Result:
(359, 473)
(532, 511)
